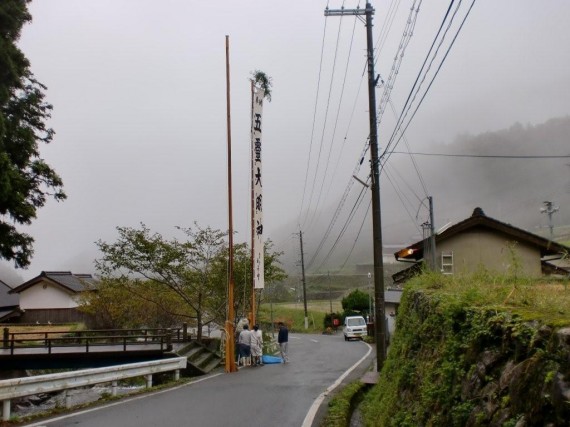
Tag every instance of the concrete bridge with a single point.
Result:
(95, 348)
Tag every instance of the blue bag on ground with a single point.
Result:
(271, 359)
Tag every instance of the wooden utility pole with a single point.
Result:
(304, 283)
(379, 316)
(432, 235)
(230, 365)
(330, 291)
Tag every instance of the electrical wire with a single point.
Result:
(432, 80)
(314, 121)
(357, 236)
(333, 175)
(425, 61)
(351, 215)
(398, 58)
(483, 156)
(320, 193)
(342, 201)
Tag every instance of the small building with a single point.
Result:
(392, 298)
(481, 242)
(53, 297)
(9, 304)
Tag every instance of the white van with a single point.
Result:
(354, 327)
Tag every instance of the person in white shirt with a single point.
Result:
(256, 346)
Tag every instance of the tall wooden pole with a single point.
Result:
(252, 314)
(230, 364)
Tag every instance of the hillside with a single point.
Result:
(510, 189)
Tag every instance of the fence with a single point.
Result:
(20, 387)
(89, 338)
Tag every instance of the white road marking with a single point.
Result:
(63, 417)
(314, 340)
(309, 418)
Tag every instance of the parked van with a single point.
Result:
(354, 327)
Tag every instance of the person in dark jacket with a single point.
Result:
(283, 340)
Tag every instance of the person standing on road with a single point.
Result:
(244, 344)
(283, 340)
(256, 346)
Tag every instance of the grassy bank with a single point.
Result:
(476, 350)
(544, 299)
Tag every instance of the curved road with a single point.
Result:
(281, 394)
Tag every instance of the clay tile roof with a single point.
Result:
(415, 251)
(73, 282)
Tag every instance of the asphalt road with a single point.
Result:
(272, 395)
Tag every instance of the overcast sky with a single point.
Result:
(139, 95)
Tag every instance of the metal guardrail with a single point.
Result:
(19, 387)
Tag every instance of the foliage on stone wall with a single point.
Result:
(454, 362)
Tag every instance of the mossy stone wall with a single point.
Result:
(451, 364)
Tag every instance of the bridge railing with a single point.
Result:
(27, 386)
(87, 338)
(88, 342)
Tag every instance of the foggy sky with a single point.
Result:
(139, 95)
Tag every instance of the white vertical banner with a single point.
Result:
(257, 189)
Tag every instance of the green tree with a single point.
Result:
(25, 179)
(356, 301)
(150, 280)
(183, 267)
(273, 273)
(122, 303)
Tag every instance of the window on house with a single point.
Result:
(447, 262)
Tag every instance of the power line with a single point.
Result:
(416, 168)
(483, 156)
(349, 219)
(414, 91)
(431, 82)
(357, 236)
(314, 121)
(337, 116)
(407, 34)
(401, 118)
(342, 201)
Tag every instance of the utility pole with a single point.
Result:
(429, 238)
(330, 291)
(304, 283)
(432, 234)
(550, 209)
(379, 316)
(369, 299)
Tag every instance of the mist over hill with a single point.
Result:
(509, 189)
(512, 190)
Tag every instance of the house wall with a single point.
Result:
(46, 295)
(482, 248)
